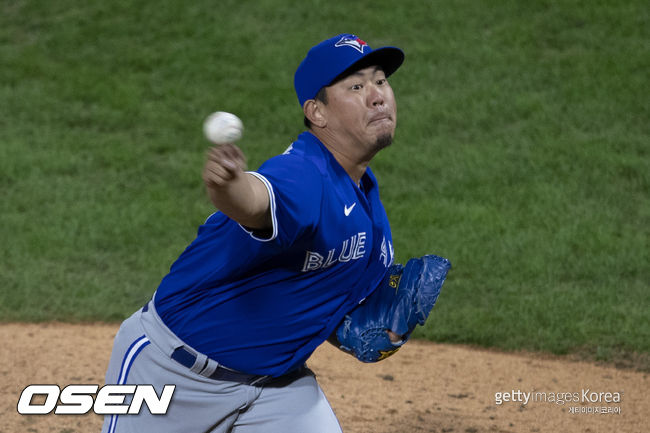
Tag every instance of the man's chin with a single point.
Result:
(383, 141)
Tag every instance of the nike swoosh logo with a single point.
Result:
(347, 210)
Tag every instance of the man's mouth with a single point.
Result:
(379, 118)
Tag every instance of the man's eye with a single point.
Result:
(381, 82)
(356, 87)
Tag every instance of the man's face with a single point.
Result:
(361, 107)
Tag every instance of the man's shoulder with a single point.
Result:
(303, 157)
(291, 163)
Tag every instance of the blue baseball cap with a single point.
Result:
(335, 57)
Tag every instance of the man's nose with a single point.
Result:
(375, 96)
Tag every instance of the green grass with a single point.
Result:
(521, 152)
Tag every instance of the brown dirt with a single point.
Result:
(425, 387)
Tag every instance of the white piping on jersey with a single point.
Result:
(274, 220)
(210, 216)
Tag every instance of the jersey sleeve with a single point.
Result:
(295, 190)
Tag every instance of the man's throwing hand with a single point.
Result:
(224, 164)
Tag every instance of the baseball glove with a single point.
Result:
(403, 300)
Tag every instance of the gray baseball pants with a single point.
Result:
(141, 355)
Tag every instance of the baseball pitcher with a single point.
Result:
(300, 252)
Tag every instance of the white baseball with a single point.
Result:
(222, 127)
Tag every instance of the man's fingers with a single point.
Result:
(217, 170)
(229, 156)
(216, 174)
(234, 154)
(237, 155)
(224, 163)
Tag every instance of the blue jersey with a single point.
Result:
(262, 302)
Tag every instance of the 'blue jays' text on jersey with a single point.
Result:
(263, 303)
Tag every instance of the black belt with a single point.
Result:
(186, 358)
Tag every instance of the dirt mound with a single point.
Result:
(425, 387)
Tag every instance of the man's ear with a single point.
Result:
(313, 111)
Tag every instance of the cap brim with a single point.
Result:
(388, 58)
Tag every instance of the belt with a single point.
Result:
(186, 358)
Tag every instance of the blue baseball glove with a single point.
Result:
(403, 300)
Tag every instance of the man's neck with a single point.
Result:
(354, 165)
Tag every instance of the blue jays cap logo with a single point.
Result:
(351, 41)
